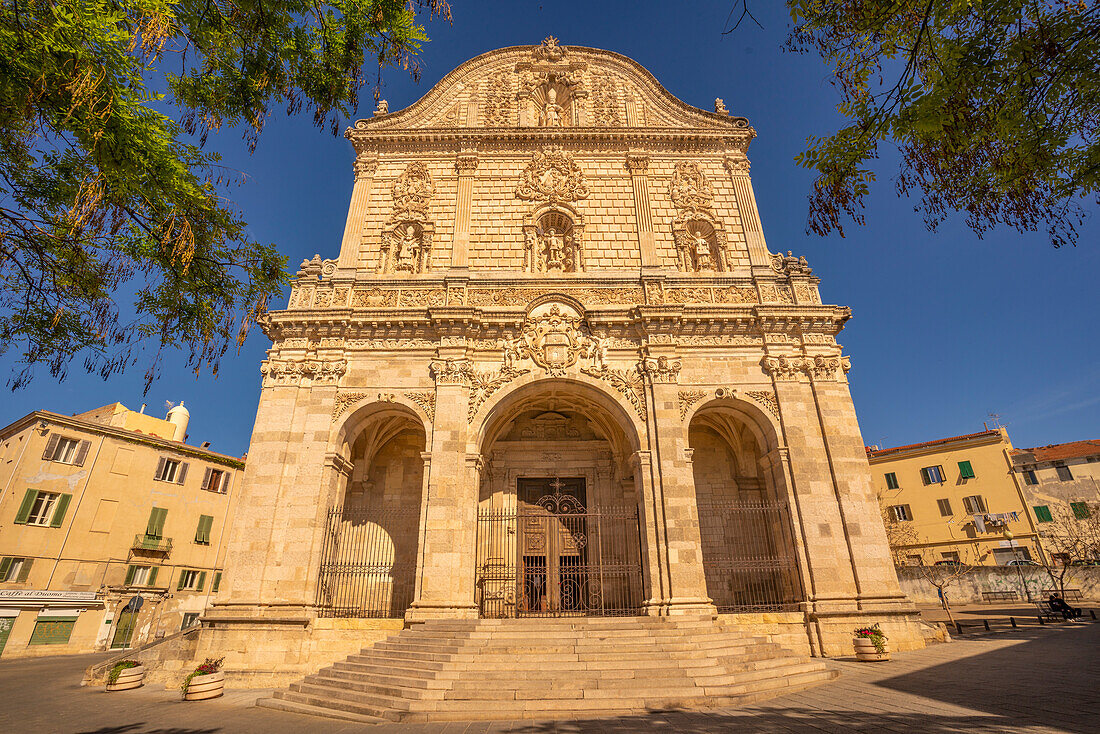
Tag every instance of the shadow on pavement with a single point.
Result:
(143, 729)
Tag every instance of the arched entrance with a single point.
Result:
(749, 556)
(558, 515)
(368, 561)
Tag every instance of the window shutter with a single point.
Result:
(25, 508)
(1080, 510)
(924, 476)
(82, 453)
(216, 583)
(183, 579)
(5, 566)
(182, 473)
(156, 522)
(1042, 513)
(224, 489)
(202, 533)
(980, 502)
(59, 512)
(25, 569)
(908, 512)
(206, 479)
(160, 468)
(202, 581)
(152, 580)
(968, 505)
(130, 575)
(966, 471)
(51, 447)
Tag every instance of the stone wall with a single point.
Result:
(968, 589)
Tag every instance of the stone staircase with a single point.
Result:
(550, 668)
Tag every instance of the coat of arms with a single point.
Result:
(690, 188)
(552, 176)
(554, 337)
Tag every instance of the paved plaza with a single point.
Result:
(1034, 679)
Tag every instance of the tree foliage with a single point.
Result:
(994, 105)
(108, 195)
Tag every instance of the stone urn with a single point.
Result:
(866, 652)
(202, 687)
(127, 679)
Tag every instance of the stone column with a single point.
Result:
(357, 212)
(738, 167)
(643, 216)
(466, 165)
(448, 520)
(678, 539)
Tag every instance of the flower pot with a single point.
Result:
(866, 652)
(128, 678)
(202, 687)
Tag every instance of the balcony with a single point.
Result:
(146, 543)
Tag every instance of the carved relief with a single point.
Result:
(552, 176)
(373, 297)
(606, 110)
(767, 399)
(426, 401)
(627, 383)
(553, 243)
(344, 401)
(555, 337)
(403, 343)
(499, 97)
(661, 369)
(807, 294)
(689, 398)
(407, 237)
(701, 241)
(790, 265)
(292, 372)
(484, 384)
(452, 371)
(412, 191)
(550, 50)
(819, 367)
(690, 188)
(423, 297)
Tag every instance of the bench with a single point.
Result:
(1045, 612)
(992, 596)
(1070, 595)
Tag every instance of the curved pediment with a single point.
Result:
(550, 86)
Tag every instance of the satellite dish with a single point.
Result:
(134, 604)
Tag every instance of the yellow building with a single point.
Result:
(954, 499)
(111, 529)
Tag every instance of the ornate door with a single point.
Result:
(553, 546)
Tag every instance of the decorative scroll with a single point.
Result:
(627, 382)
(767, 399)
(484, 384)
(689, 398)
(344, 401)
(552, 176)
(426, 401)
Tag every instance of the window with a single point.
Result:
(190, 619)
(965, 470)
(141, 575)
(974, 504)
(155, 528)
(191, 580)
(1060, 559)
(1064, 474)
(932, 474)
(15, 569)
(202, 533)
(945, 507)
(42, 508)
(950, 556)
(1029, 477)
(217, 582)
(1042, 513)
(1080, 510)
(66, 450)
(216, 480)
(49, 631)
(913, 559)
(901, 513)
(171, 470)
(891, 481)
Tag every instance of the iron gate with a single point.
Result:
(748, 556)
(556, 558)
(368, 562)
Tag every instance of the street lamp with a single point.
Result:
(1016, 557)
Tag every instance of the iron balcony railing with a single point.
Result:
(155, 545)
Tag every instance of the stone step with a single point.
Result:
(324, 705)
(375, 688)
(550, 657)
(283, 704)
(560, 648)
(385, 676)
(334, 695)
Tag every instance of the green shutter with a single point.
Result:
(216, 583)
(25, 570)
(1080, 510)
(52, 632)
(891, 480)
(59, 512)
(130, 575)
(25, 508)
(156, 522)
(965, 470)
(202, 533)
(183, 575)
(5, 566)
(202, 581)
(152, 580)
(1042, 513)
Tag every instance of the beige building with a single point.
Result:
(954, 499)
(97, 510)
(552, 372)
(1061, 484)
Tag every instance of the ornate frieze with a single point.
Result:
(807, 294)
(484, 384)
(391, 343)
(294, 371)
(552, 176)
(776, 294)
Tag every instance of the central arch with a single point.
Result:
(558, 504)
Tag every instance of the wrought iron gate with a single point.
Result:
(368, 562)
(554, 557)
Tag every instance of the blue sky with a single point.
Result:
(946, 329)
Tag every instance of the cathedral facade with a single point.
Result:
(554, 370)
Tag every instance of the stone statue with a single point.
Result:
(553, 110)
(408, 250)
(720, 106)
(383, 108)
(703, 257)
(555, 250)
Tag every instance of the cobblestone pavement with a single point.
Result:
(1024, 680)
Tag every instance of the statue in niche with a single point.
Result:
(552, 114)
(557, 251)
(704, 259)
(407, 250)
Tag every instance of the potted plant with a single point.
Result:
(126, 674)
(870, 644)
(205, 681)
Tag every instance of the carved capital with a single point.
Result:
(294, 372)
(365, 167)
(637, 163)
(466, 162)
(452, 371)
(661, 369)
(737, 165)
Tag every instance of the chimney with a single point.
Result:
(179, 417)
(142, 411)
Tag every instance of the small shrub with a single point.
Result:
(211, 665)
(120, 666)
(873, 633)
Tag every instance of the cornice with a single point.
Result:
(618, 139)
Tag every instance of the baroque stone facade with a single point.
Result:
(553, 279)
